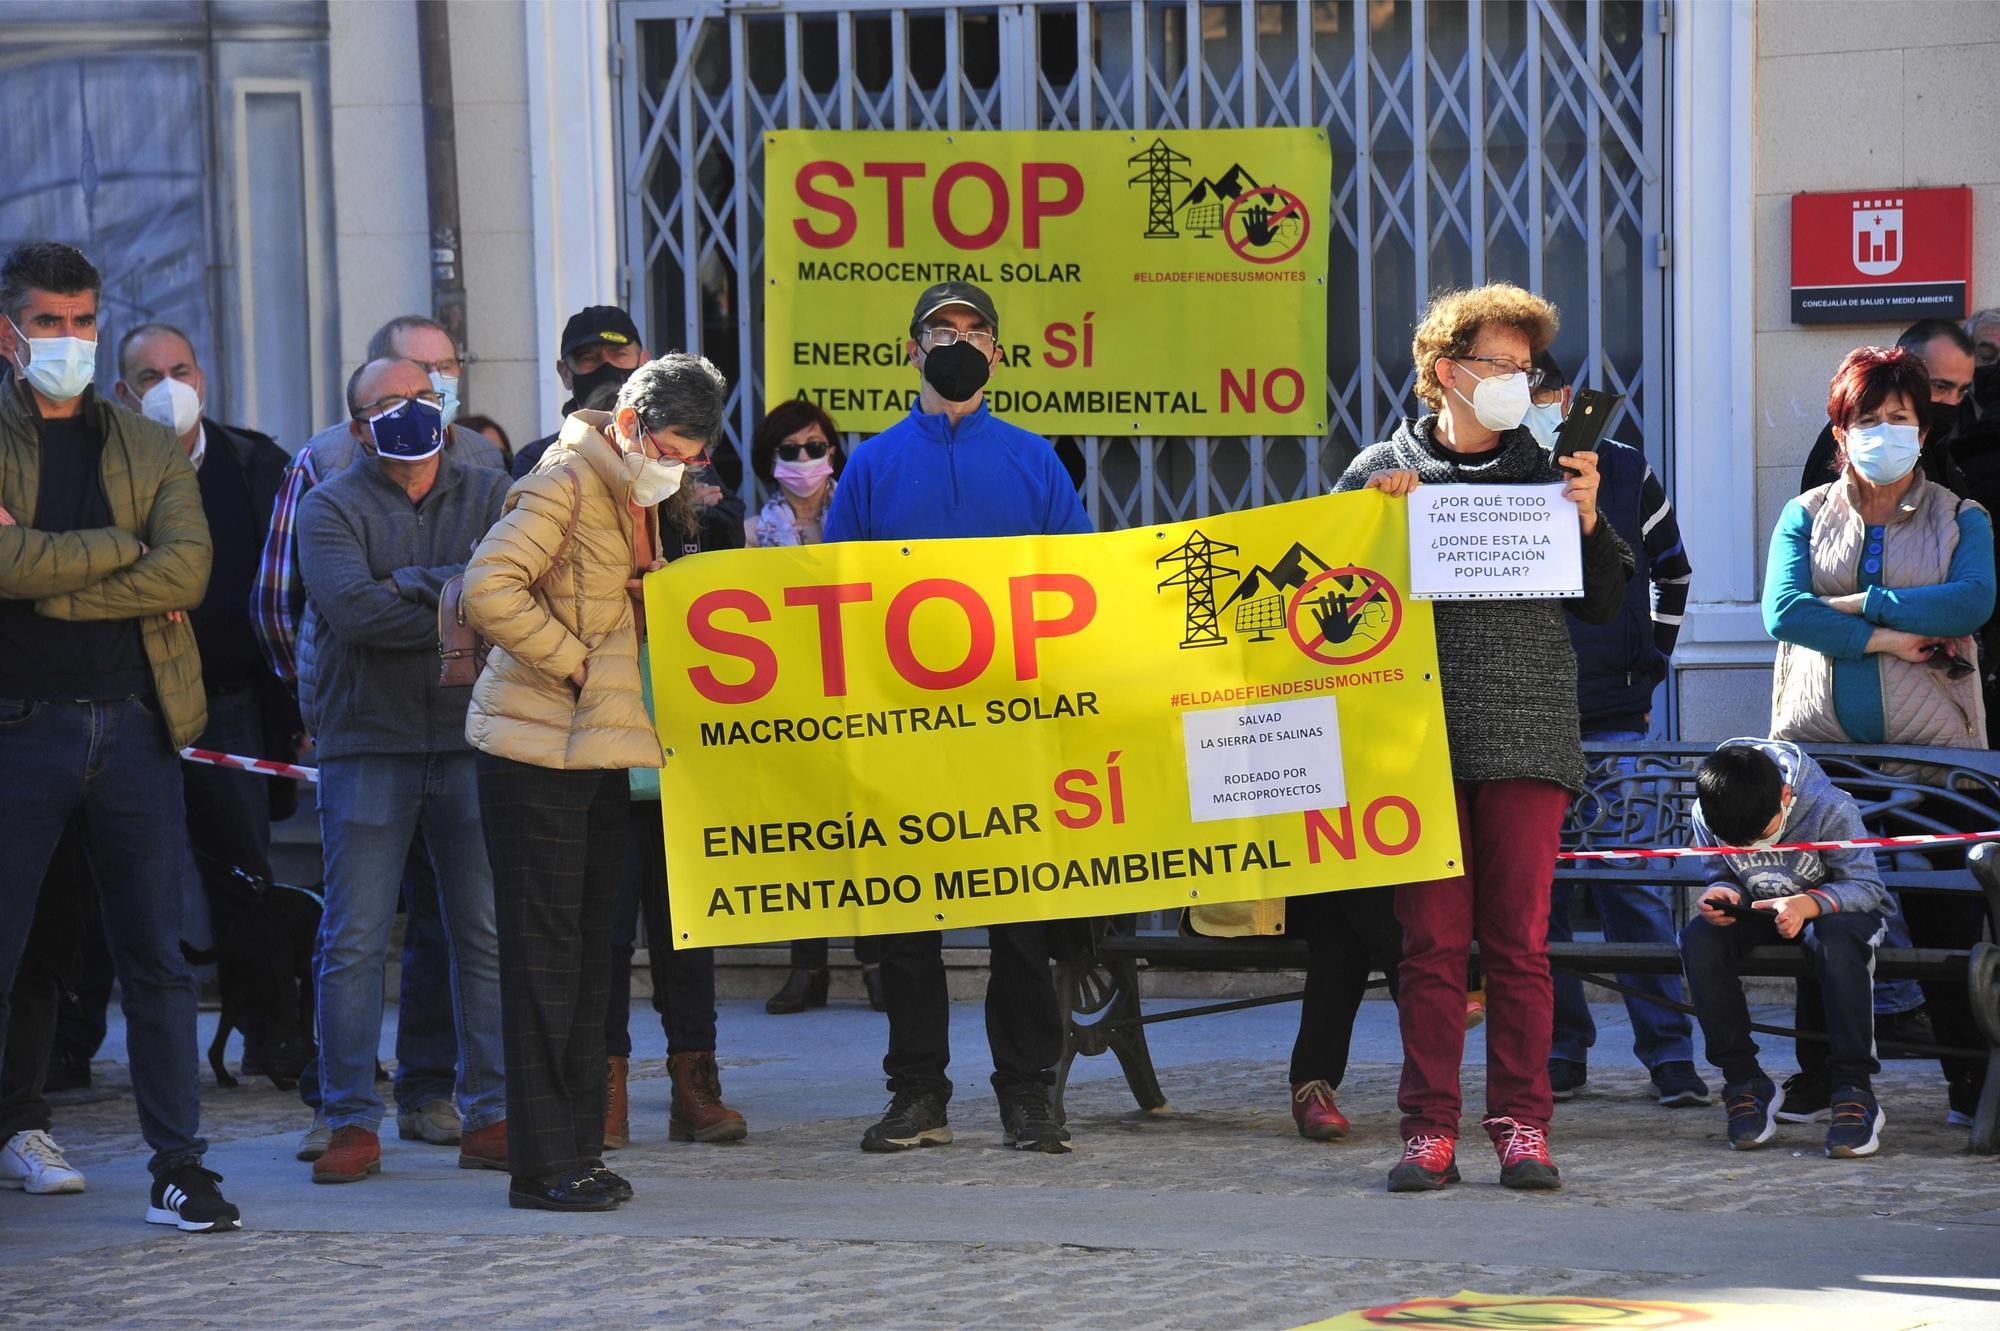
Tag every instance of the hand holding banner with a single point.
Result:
(882, 737)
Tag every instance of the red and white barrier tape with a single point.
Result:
(1859, 843)
(261, 766)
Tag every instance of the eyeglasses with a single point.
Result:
(814, 449)
(1944, 390)
(1939, 656)
(981, 341)
(1505, 367)
(429, 397)
(665, 454)
(450, 369)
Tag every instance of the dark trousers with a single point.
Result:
(426, 1038)
(81, 1012)
(556, 840)
(1842, 948)
(1023, 1018)
(64, 917)
(111, 765)
(1953, 920)
(1348, 935)
(683, 978)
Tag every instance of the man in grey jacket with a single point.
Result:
(376, 545)
(1766, 795)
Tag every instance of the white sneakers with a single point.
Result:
(32, 1160)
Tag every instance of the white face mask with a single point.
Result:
(804, 477)
(1784, 816)
(1544, 421)
(58, 367)
(448, 387)
(174, 404)
(656, 482)
(1500, 402)
(1883, 453)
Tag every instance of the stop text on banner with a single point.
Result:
(1166, 282)
(883, 737)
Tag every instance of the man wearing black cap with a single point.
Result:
(600, 345)
(951, 468)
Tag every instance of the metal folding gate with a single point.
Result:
(1473, 140)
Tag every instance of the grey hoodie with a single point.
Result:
(1821, 811)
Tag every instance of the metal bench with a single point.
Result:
(1637, 795)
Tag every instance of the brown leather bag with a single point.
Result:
(461, 650)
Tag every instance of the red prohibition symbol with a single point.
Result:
(1284, 206)
(1336, 606)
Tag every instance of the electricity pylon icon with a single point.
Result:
(1199, 574)
(1159, 177)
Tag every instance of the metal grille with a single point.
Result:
(1473, 141)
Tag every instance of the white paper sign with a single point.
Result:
(1484, 542)
(1281, 757)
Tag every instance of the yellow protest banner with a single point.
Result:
(882, 737)
(1150, 282)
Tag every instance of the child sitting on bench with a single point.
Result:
(1758, 793)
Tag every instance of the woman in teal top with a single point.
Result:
(1875, 587)
(1878, 420)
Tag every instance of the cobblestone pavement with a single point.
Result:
(1226, 1148)
(400, 1279)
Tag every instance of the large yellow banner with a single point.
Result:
(1154, 282)
(883, 737)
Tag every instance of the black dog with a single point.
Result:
(264, 934)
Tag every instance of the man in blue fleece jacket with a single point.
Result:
(1760, 793)
(951, 468)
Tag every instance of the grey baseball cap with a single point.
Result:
(953, 293)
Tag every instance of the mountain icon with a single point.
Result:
(1234, 181)
(1294, 570)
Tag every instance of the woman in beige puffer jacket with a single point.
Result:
(557, 717)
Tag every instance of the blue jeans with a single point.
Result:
(112, 763)
(426, 1035)
(371, 810)
(1631, 914)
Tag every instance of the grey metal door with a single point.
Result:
(1473, 140)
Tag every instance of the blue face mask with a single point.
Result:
(409, 433)
(448, 389)
(58, 367)
(1544, 421)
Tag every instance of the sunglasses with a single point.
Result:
(793, 452)
(1941, 657)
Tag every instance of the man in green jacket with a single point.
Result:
(103, 551)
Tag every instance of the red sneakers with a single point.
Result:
(1524, 1155)
(1426, 1166)
(1319, 1119)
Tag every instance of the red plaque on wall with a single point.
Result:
(1866, 256)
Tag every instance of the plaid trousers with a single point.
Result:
(556, 840)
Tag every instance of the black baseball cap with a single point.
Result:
(599, 323)
(953, 293)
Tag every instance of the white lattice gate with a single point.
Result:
(1472, 140)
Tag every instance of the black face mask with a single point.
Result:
(1986, 387)
(957, 372)
(581, 386)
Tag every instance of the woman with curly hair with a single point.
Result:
(1509, 680)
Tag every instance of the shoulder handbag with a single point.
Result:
(461, 650)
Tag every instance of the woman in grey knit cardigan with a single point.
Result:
(1509, 681)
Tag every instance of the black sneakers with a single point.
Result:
(1808, 1098)
(188, 1199)
(1753, 1107)
(1676, 1085)
(913, 1119)
(1031, 1125)
(1566, 1078)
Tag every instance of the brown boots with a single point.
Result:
(617, 1118)
(697, 1113)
